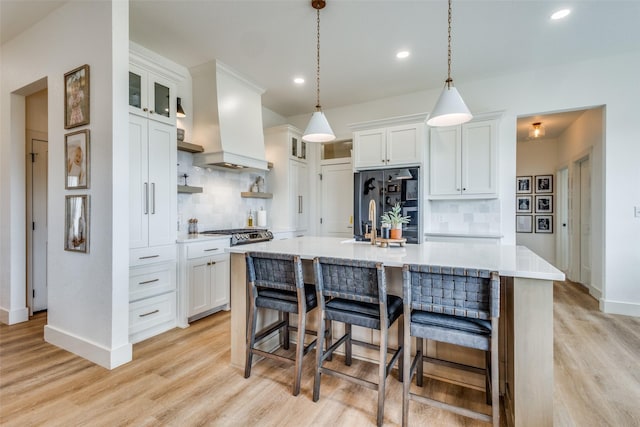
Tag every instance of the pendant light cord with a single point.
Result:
(449, 79)
(318, 62)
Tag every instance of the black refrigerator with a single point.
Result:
(387, 187)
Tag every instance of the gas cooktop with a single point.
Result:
(243, 236)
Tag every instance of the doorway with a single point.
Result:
(36, 148)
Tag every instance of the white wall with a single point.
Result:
(539, 157)
(565, 87)
(88, 293)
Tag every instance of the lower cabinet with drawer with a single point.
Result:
(204, 279)
(152, 295)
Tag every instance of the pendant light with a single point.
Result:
(318, 129)
(450, 109)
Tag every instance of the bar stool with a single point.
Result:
(456, 306)
(276, 282)
(355, 293)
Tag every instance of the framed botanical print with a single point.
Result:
(544, 183)
(76, 232)
(76, 150)
(76, 97)
(523, 184)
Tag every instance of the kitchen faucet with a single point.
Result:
(372, 218)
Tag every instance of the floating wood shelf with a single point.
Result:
(189, 147)
(189, 189)
(251, 194)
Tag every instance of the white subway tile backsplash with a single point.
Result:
(464, 216)
(219, 205)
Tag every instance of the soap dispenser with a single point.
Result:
(250, 219)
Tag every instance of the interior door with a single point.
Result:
(38, 226)
(585, 222)
(337, 200)
(562, 242)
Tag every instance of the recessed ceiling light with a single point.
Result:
(563, 13)
(298, 80)
(403, 54)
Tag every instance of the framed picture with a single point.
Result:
(76, 97)
(544, 183)
(544, 204)
(524, 224)
(392, 188)
(412, 190)
(76, 153)
(544, 223)
(523, 204)
(523, 184)
(76, 233)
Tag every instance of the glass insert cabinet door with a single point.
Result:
(151, 96)
(298, 148)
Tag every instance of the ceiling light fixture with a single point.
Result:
(298, 80)
(404, 174)
(537, 130)
(450, 109)
(403, 54)
(179, 111)
(318, 129)
(563, 13)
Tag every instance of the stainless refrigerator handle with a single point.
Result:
(146, 198)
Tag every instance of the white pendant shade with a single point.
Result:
(450, 110)
(318, 129)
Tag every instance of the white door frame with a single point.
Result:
(562, 225)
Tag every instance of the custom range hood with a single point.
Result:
(227, 119)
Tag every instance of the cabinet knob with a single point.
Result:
(145, 109)
(150, 111)
(464, 189)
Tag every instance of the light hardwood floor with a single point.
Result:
(183, 378)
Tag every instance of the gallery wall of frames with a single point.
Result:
(534, 204)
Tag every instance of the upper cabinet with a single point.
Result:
(463, 160)
(390, 142)
(151, 95)
(297, 147)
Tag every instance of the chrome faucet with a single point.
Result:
(372, 218)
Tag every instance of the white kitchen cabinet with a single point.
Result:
(391, 142)
(463, 161)
(151, 95)
(288, 180)
(152, 183)
(152, 299)
(204, 279)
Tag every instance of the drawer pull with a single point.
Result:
(149, 313)
(211, 263)
(209, 250)
(148, 281)
(148, 257)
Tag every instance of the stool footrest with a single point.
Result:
(455, 409)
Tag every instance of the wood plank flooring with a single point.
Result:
(183, 378)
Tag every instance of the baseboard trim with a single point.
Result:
(619, 307)
(11, 317)
(107, 358)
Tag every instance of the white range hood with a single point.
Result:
(227, 119)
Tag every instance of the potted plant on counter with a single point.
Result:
(394, 219)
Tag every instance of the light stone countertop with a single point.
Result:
(191, 238)
(507, 260)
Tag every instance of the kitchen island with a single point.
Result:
(526, 324)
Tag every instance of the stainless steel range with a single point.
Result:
(243, 236)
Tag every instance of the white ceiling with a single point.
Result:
(270, 42)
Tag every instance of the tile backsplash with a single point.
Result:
(464, 216)
(220, 205)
